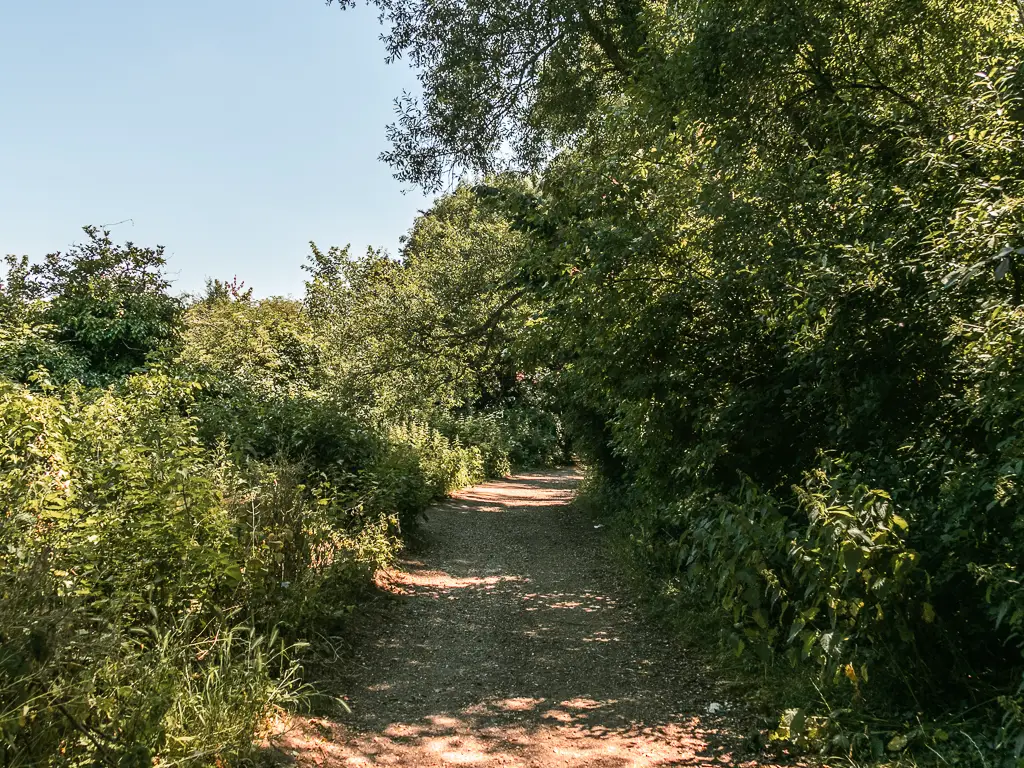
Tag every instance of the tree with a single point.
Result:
(97, 311)
(433, 330)
(773, 263)
(234, 340)
(108, 302)
(498, 77)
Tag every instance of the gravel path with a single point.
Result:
(511, 646)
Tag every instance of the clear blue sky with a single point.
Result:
(230, 132)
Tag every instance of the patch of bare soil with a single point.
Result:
(512, 646)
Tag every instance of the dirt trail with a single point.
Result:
(511, 647)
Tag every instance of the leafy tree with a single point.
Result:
(106, 303)
(432, 331)
(773, 265)
(265, 344)
(521, 75)
(17, 291)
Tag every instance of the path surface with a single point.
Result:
(512, 647)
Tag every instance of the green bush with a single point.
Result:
(122, 572)
(445, 463)
(143, 573)
(32, 353)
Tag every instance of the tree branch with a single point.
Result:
(604, 40)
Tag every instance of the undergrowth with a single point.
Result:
(788, 709)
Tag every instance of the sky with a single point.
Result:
(232, 133)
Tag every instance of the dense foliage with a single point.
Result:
(191, 487)
(773, 260)
(93, 313)
(762, 257)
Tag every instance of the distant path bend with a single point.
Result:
(512, 646)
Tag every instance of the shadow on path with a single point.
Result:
(512, 648)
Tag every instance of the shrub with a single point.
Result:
(136, 565)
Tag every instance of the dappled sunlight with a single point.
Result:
(468, 505)
(562, 739)
(584, 601)
(507, 649)
(537, 491)
(514, 704)
(409, 582)
(471, 503)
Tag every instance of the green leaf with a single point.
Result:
(928, 613)
(233, 572)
